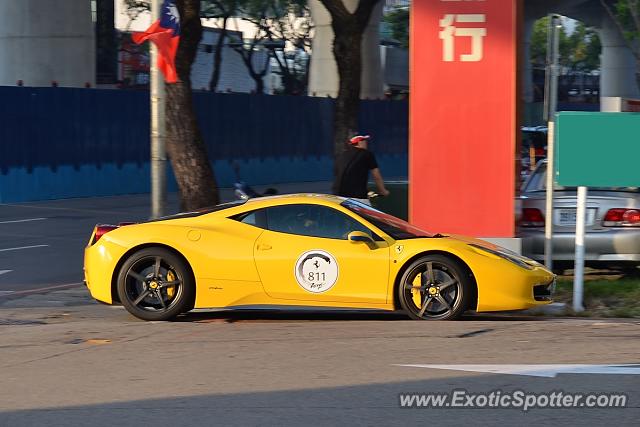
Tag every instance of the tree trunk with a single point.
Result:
(259, 83)
(185, 146)
(348, 29)
(347, 47)
(217, 56)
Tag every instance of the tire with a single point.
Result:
(446, 302)
(155, 284)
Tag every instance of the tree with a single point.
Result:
(278, 24)
(586, 48)
(348, 29)
(185, 145)
(398, 21)
(222, 10)
(256, 67)
(579, 51)
(288, 31)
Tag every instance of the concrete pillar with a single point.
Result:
(323, 75)
(43, 41)
(618, 67)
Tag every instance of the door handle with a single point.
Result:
(263, 247)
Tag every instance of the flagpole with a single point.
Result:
(158, 149)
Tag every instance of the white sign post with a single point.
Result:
(551, 101)
(578, 270)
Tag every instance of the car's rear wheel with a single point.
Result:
(435, 287)
(155, 284)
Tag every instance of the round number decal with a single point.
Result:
(316, 271)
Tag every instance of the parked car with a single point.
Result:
(612, 229)
(304, 250)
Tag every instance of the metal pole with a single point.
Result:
(551, 101)
(578, 270)
(158, 149)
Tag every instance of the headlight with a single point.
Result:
(506, 254)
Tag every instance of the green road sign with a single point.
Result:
(598, 149)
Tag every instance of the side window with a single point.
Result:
(256, 218)
(313, 221)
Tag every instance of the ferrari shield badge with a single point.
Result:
(316, 271)
(399, 249)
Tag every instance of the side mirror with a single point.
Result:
(360, 237)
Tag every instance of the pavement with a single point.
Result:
(66, 360)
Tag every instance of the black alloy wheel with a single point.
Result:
(155, 284)
(435, 287)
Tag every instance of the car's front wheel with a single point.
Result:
(435, 287)
(155, 284)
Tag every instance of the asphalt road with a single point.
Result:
(42, 243)
(66, 361)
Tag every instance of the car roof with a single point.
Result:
(241, 206)
(297, 198)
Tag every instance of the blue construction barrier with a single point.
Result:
(61, 143)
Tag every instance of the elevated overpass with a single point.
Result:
(618, 65)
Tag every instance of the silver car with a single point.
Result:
(612, 229)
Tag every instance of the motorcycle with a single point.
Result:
(244, 191)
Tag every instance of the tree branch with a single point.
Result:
(621, 29)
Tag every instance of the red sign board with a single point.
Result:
(463, 116)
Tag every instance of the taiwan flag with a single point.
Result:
(165, 34)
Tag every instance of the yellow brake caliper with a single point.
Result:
(417, 298)
(171, 290)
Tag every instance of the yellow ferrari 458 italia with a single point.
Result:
(304, 250)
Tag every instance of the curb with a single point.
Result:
(553, 309)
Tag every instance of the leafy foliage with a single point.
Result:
(279, 24)
(398, 21)
(626, 16)
(579, 51)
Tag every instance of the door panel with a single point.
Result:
(226, 252)
(305, 268)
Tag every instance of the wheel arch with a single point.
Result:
(126, 255)
(460, 261)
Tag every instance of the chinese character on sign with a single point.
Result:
(450, 31)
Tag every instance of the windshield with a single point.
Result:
(394, 227)
(538, 182)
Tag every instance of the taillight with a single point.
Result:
(532, 217)
(620, 217)
(101, 230)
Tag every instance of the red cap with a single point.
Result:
(358, 138)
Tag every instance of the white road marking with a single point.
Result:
(47, 289)
(23, 247)
(5, 271)
(6, 292)
(22, 220)
(549, 371)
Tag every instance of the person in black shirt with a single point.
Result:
(354, 165)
